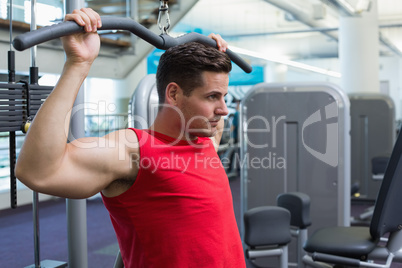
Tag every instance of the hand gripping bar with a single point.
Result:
(163, 41)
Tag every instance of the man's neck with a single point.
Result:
(170, 125)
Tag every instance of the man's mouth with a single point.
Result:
(214, 123)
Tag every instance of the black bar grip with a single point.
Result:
(164, 42)
(30, 39)
(322, 257)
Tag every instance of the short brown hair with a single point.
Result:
(184, 65)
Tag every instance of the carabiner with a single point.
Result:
(163, 11)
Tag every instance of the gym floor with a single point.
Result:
(16, 233)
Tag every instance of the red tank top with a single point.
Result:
(179, 212)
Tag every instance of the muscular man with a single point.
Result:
(165, 189)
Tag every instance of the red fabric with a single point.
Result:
(179, 212)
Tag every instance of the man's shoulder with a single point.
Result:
(125, 137)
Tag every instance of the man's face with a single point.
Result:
(205, 106)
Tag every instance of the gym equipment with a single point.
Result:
(268, 229)
(267, 233)
(298, 204)
(33, 77)
(76, 209)
(20, 101)
(144, 103)
(35, 201)
(12, 145)
(162, 41)
(378, 167)
(372, 135)
(295, 138)
(362, 246)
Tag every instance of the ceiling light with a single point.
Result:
(345, 4)
(285, 61)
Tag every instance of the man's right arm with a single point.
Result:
(47, 163)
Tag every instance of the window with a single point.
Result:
(47, 11)
(46, 14)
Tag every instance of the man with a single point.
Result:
(166, 191)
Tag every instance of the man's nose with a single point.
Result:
(222, 109)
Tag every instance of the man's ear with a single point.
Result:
(173, 92)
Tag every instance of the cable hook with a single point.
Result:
(163, 11)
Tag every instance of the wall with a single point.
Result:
(389, 74)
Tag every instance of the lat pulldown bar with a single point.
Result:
(163, 41)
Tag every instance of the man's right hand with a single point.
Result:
(83, 47)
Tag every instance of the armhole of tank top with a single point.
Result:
(131, 188)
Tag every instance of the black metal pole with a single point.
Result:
(12, 146)
(33, 79)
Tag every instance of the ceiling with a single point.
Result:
(289, 29)
(292, 29)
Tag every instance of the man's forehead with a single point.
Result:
(213, 82)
